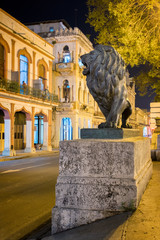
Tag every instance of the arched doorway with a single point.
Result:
(1, 130)
(66, 131)
(19, 130)
(66, 54)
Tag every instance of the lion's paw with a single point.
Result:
(104, 125)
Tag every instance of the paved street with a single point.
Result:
(142, 224)
(27, 194)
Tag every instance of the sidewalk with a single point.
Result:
(142, 224)
(20, 154)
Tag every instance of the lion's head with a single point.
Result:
(103, 60)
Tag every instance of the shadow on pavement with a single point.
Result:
(99, 230)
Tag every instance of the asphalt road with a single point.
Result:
(27, 194)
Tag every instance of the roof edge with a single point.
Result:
(50, 21)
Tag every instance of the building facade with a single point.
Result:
(154, 119)
(26, 98)
(154, 113)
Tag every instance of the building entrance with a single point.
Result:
(38, 129)
(66, 129)
(20, 131)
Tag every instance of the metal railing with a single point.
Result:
(15, 87)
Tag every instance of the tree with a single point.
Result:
(132, 27)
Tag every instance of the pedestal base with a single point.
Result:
(99, 178)
(108, 133)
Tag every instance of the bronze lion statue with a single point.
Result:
(107, 78)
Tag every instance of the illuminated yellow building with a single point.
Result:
(26, 101)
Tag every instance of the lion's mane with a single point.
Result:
(107, 68)
(107, 78)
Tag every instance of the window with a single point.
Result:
(66, 49)
(38, 130)
(51, 29)
(67, 58)
(66, 129)
(23, 69)
(41, 71)
(41, 75)
(66, 90)
(2, 61)
(66, 54)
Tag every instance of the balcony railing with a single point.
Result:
(63, 67)
(15, 87)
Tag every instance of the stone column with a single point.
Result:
(34, 57)
(49, 129)
(32, 135)
(12, 126)
(7, 142)
(50, 76)
(13, 54)
(45, 134)
(60, 94)
(7, 139)
(29, 147)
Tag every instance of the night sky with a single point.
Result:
(74, 12)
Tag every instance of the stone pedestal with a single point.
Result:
(99, 178)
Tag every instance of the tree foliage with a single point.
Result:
(132, 27)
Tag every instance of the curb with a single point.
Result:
(24, 155)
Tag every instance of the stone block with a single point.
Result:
(108, 133)
(99, 178)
